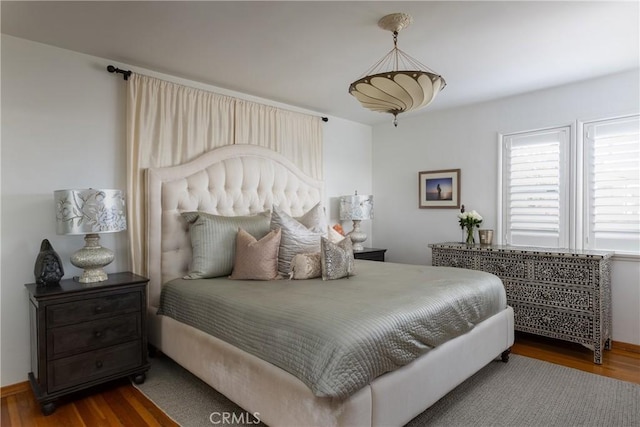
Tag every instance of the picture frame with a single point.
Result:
(439, 189)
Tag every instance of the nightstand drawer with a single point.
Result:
(73, 339)
(371, 254)
(70, 371)
(91, 309)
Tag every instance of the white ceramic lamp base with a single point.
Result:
(357, 236)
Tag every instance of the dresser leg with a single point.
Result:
(597, 355)
(505, 355)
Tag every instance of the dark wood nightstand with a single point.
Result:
(85, 334)
(372, 254)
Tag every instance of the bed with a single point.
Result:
(244, 180)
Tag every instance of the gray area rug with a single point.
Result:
(523, 392)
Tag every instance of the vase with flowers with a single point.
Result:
(469, 221)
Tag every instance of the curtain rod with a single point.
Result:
(127, 73)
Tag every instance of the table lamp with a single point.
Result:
(90, 212)
(356, 208)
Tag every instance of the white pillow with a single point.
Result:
(315, 219)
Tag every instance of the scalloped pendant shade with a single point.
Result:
(396, 91)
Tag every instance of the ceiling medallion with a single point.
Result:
(397, 82)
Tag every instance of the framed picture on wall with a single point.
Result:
(439, 189)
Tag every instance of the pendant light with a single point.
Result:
(397, 82)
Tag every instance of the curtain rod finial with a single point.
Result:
(125, 73)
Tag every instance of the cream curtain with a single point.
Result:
(296, 136)
(170, 124)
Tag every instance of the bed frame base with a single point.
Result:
(281, 399)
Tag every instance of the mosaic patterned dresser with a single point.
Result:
(558, 293)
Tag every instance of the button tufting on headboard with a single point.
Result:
(231, 180)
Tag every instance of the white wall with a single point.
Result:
(63, 126)
(467, 138)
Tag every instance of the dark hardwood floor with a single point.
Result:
(621, 362)
(120, 404)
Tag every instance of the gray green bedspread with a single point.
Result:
(337, 336)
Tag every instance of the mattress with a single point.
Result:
(337, 336)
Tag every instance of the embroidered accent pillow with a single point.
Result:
(306, 266)
(336, 259)
(256, 259)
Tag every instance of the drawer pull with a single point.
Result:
(99, 364)
(98, 309)
(97, 334)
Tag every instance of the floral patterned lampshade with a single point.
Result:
(356, 207)
(90, 212)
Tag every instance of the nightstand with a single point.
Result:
(371, 254)
(85, 334)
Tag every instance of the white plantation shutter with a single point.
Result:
(612, 184)
(535, 198)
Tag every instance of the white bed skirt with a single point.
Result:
(280, 399)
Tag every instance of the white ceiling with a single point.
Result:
(306, 53)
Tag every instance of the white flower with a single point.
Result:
(475, 215)
(470, 219)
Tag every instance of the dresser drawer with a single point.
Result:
(549, 295)
(560, 324)
(92, 309)
(70, 371)
(579, 272)
(73, 339)
(451, 258)
(504, 265)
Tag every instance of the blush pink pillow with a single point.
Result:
(256, 259)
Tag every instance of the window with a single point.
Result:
(583, 195)
(612, 184)
(535, 202)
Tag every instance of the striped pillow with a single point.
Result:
(213, 241)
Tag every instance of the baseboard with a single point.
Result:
(633, 348)
(8, 390)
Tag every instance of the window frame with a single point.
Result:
(583, 181)
(566, 235)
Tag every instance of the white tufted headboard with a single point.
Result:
(230, 180)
